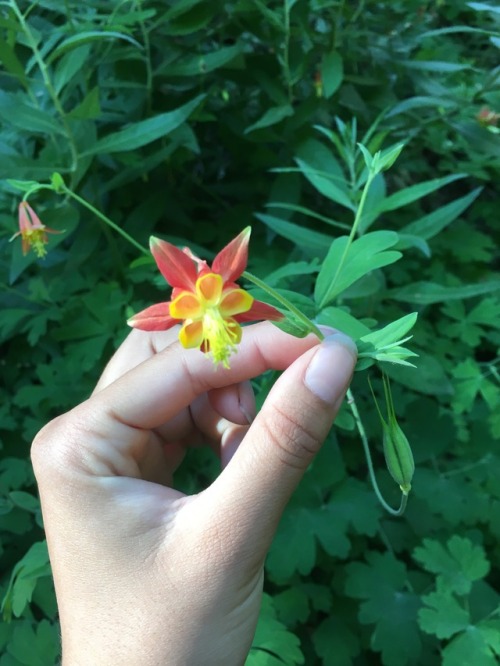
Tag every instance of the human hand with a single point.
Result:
(145, 575)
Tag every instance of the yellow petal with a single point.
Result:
(191, 335)
(186, 306)
(235, 302)
(209, 289)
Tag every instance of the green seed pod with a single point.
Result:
(397, 450)
(398, 455)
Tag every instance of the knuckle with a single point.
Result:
(294, 438)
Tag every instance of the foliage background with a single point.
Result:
(222, 101)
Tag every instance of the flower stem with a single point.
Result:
(355, 224)
(285, 302)
(105, 219)
(362, 433)
(48, 83)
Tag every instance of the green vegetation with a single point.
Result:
(191, 120)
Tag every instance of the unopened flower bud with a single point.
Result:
(397, 450)
(398, 455)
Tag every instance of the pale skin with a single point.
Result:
(145, 575)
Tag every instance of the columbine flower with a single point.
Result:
(487, 118)
(204, 299)
(33, 233)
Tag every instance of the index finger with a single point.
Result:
(111, 429)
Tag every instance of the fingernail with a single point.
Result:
(330, 369)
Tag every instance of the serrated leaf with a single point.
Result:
(444, 616)
(273, 644)
(335, 643)
(292, 606)
(393, 610)
(457, 566)
(32, 566)
(345, 265)
(478, 645)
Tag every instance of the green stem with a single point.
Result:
(285, 302)
(357, 220)
(105, 219)
(286, 51)
(362, 433)
(48, 83)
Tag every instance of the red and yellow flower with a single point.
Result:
(205, 299)
(32, 231)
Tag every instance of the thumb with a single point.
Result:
(284, 438)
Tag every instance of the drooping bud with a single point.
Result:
(398, 456)
(397, 449)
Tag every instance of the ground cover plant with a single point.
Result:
(361, 143)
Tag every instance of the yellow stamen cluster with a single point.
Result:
(209, 317)
(37, 239)
(220, 336)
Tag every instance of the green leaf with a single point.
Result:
(91, 36)
(306, 238)
(437, 66)
(381, 584)
(311, 521)
(273, 644)
(425, 293)
(415, 192)
(144, 132)
(12, 63)
(292, 269)
(34, 645)
(332, 73)
(335, 643)
(69, 65)
(203, 63)
(271, 117)
(483, 7)
(308, 213)
(32, 566)
(444, 616)
(391, 333)
(478, 645)
(17, 111)
(457, 566)
(431, 378)
(292, 606)
(324, 172)
(430, 225)
(343, 321)
(340, 270)
(89, 108)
